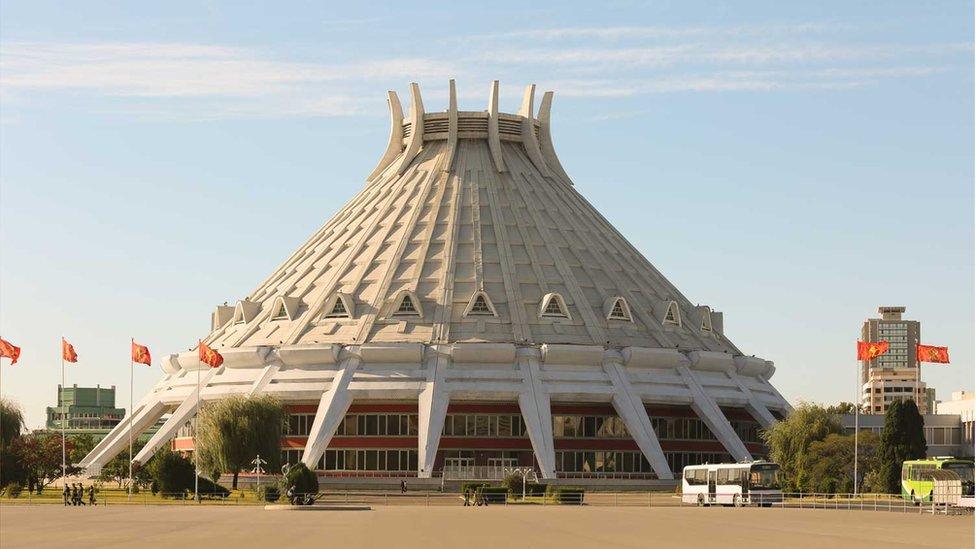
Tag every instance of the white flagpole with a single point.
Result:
(64, 456)
(196, 423)
(857, 409)
(131, 343)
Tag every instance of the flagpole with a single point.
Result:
(196, 424)
(857, 408)
(131, 342)
(64, 457)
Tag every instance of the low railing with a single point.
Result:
(764, 502)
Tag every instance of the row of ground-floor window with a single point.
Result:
(511, 426)
(568, 462)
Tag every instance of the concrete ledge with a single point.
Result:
(317, 508)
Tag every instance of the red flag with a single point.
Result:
(140, 354)
(868, 350)
(210, 357)
(931, 353)
(68, 351)
(9, 350)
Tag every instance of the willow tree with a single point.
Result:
(232, 431)
(11, 426)
(790, 439)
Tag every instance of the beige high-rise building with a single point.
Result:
(894, 375)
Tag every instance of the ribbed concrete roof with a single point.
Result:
(470, 217)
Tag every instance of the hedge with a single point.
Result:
(567, 494)
(494, 494)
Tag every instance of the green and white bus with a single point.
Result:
(917, 479)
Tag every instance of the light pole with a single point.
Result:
(258, 462)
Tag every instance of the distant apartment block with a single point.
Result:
(894, 375)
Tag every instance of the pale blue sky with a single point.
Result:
(794, 165)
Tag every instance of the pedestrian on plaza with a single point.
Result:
(66, 493)
(74, 494)
(403, 487)
(91, 495)
(467, 497)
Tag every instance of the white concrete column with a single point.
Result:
(712, 415)
(432, 410)
(536, 412)
(183, 413)
(144, 418)
(754, 406)
(332, 409)
(630, 408)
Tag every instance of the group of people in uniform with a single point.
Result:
(75, 494)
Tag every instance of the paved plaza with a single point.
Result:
(406, 527)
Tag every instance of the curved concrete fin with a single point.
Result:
(452, 127)
(529, 140)
(332, 409)
(494, 141)
(395, 146)
(545, 138)
(416, 139)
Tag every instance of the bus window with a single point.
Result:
(764, 477)
(723, 476)
(906, 471)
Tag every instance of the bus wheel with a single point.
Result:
(701, 500)
(736, 501)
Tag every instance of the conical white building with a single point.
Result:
(469, 310)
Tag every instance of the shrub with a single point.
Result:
(172, 473)
(210, 489)
(567, 494)
(14, 489)
(494, 494)
(302, 479)
(472, 486)
(513, 482)
(154, 487)
(535, 489)
(270, 494)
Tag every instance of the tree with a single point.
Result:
(40, 456)
(841, 409)
(902, 439)
(302, 479)
(233, 430)
(788, 440)
(828, 464)
(11, 422)
(117, 469)
(172, 472)
(11, 425)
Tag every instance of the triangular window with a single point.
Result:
(553, 306)
(706, 323)
(282, 313)
(480, 305)
(338, 310)
(239, 315)
(406, 307)
(673, 315)
(619, 311)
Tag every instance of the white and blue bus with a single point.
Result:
(736, 484)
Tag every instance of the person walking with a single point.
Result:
(91, 495)
(403, 487)
(74, 494)
(66, 493)
(467, 497)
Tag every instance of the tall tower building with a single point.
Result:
(894, 375)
